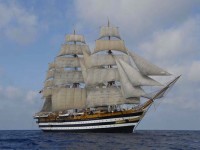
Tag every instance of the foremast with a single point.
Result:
(64, 87)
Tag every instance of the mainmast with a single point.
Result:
(75, 85)
(123, 81)
(110, 53)
(103, 71)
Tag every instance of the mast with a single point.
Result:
(122, 82)
(75, 85)
(64, 76)
(106, 72)
(110, 53)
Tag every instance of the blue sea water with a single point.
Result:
(140, 140)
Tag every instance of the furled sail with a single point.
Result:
(136, 78)
(75, 38)
(104, 96)
(109, 32)
(102, 45)
(97, 76)
(146, 67)
(128, 89)
(71, 49)
(68, 98)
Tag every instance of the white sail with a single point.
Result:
(68, 76)
(48, 83)
(127, 88)
(161, 92)
(84, 70)
(68, 98)
(147, 68)
(109, 32)
(102, 45)
(100, 60)
(136, 78)
(71, 49)
(132, 100)
(151, 95)
(87, 61)
(97, 76)
(51, 66)
(47, 92)
(79, 98)
(67, 62)
(50, 74)
(104, 96)
(75, 38)
(47, 107)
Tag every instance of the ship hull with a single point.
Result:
(128, 129)
(124, 123)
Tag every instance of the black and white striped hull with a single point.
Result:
(119, 124)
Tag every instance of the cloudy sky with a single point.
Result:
(165, 32)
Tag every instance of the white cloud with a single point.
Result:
(135, 18)
(17, 23)
(177, 49)
(183, 98)
(194, 71)
(32, 96)
(1, 71)
(17, 103)
(175, 43)
(13, 93)
(10, 92)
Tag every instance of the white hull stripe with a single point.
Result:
(87, 122)
(89, 127)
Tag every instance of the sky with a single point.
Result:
(165, 32)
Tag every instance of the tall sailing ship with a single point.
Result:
(99, 91)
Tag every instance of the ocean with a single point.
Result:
(140, 140)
